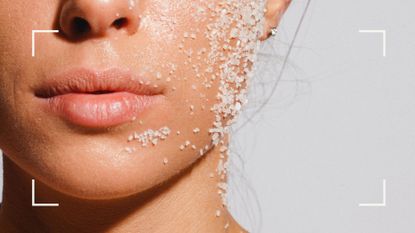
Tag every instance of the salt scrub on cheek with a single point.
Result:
(231, 29)
(208, 76)
(196, 57)
(234, 44)
(150, 136)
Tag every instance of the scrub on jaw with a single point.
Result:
(195, 56)
(232, 29)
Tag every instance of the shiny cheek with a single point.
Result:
(175, 48)
(17, 66)
(179, 52)
(175, 54)
(15, 47)
(209, 64)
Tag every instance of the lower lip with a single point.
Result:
(101, 110)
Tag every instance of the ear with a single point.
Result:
(273, 12)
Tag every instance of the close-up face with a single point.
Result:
(125, 94)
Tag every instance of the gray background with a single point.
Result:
(340, 121)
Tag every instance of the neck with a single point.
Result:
(186, 203)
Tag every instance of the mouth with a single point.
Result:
(97, 99)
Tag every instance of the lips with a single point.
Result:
(97, 99)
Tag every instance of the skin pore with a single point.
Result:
(165, 169)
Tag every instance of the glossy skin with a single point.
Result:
(52, 150)
(91, 163)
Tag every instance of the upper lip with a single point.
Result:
(85, 80)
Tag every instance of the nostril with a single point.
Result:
(80, 26)
(120, 23)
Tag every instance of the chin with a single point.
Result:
(102, 171)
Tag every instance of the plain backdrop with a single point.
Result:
(340, 121)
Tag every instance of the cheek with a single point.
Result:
(202, 51)
(176, 55)
(208, 62)
(18, 19)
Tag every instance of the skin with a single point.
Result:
(99, 186)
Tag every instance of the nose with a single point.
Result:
(81, 18)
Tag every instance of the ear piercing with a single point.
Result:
(273, 32)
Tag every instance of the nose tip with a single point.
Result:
(81, 18)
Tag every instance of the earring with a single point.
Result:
(273, 32)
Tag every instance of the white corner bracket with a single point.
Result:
(33, 38)
(34, 204)
(383, 32)
(382, 204)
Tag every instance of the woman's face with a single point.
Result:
(69, 119)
